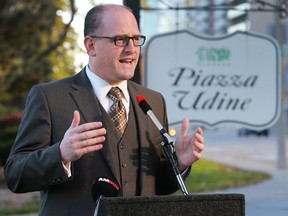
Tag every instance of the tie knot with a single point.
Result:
(115, 93)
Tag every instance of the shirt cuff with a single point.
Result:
(67, 168)
(186, 172)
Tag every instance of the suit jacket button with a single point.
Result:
(58, 179)
(52, 181)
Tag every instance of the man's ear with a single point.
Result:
(89, 44)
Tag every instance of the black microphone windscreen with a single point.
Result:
(143, 104)
(105, 187)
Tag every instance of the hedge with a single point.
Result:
(9, 127)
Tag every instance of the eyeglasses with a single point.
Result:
(123, 41)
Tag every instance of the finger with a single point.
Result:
(91, 142)
(184, 127)
(199, 130)
(198, 137)
(197, 154)
(92, 134)
(89, 149)
(199, 146)
(76, 120)
(89, 126)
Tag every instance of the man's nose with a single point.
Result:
(130, 46)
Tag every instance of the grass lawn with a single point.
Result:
(205, 176)
(208, 176)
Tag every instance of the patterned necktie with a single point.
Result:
(117, 111)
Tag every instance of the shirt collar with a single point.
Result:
(101, 87)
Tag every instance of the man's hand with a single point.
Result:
(188, 147)
(80, 140)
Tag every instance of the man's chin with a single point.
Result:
(128, 75)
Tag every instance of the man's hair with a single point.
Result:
(93, 18)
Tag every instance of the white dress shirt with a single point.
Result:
(101, 89)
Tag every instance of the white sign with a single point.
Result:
(232, 79)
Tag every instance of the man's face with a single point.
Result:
(113, 63)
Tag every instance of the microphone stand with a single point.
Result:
(97, 205)
(168, 147)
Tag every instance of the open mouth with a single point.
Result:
(126, 61)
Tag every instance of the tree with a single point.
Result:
(35, 46)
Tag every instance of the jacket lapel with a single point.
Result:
(85, 98)
(91, 110)
(139, 114)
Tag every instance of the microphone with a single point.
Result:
(104, 187)
(143, 103)
(168, 145)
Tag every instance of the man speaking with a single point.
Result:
(88, 128)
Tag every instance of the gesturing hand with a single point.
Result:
(188, 147)
(80, 140)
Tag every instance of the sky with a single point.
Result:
(78, 25)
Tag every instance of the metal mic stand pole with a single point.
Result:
(168, 148)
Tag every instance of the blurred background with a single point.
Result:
(42, 40)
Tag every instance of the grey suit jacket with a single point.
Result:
(35, 164)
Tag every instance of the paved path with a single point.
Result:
(9, 199)
(252, 153)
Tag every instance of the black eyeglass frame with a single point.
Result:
(123, 38)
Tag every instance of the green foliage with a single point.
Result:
(29, 208)
(9, 127)
(208, 176)
(35, 45)
(5, 147)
